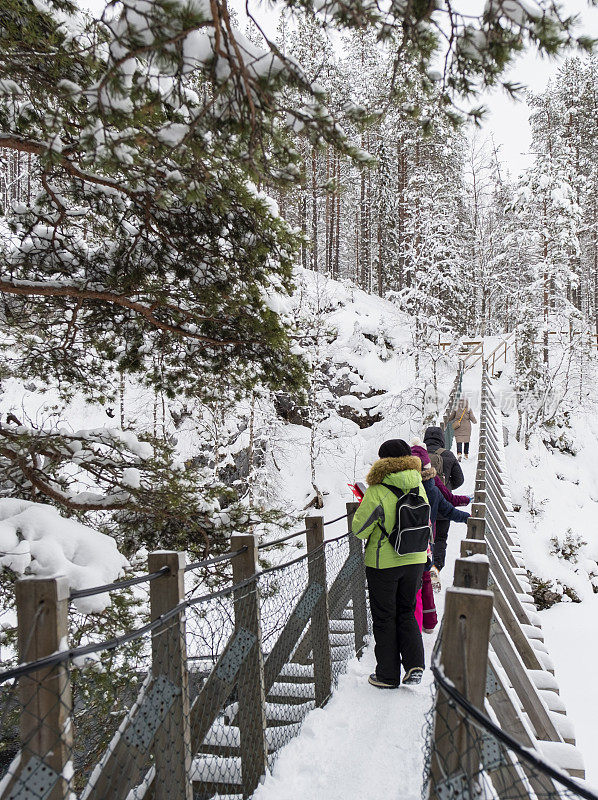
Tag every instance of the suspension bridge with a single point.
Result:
(198, 702)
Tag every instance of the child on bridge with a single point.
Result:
(452, 477)
(439, 504)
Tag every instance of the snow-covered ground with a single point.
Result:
(570, 635)
(367, 743)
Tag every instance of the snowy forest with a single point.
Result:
(155, 210)
(241, 246)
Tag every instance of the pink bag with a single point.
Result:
(419, 610)
(428, 604)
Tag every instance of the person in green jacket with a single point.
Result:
(393, 580)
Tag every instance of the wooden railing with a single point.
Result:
(171, 742)
(492, 656)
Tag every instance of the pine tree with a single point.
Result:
(144, 244)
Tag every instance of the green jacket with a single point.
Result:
(378, 509)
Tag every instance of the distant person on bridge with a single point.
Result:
(394, 580)
(462, 418)
(436, 492)
(450, 473)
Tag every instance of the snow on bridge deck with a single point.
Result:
(368, 743)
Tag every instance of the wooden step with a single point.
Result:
(342, 639)
(342, 626)
(292, 693)
(276, 713)
(224, 740)
(297, 673)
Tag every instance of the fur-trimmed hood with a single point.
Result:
(386, 466)
(428, 474)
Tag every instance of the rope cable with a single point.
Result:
(112, 587)
(216, 559)
(524, 753)
(125, 638)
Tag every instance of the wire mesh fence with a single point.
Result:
(470, 757)
(496, 729)
(197, 702)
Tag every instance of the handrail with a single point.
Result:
(207, 562)
(111, 644)
(112, 587)
(149, 577)
(484, 722)
(264, 545)
(290, 536)
(506, 342)
(475, 620)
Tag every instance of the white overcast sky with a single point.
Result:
(507, 119)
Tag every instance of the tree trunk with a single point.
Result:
(357, 249)
(330, 252)
(546, 287)
(122, 400)
(402, 187)
(327, 220)
(380, 268)
(303, 214)
(363, 231)
(314, 209)
(338, 220)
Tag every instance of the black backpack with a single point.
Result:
(411, 532)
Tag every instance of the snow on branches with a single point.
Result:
(149, 126)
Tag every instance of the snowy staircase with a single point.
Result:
(217, 765)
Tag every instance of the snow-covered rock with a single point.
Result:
(36, 540)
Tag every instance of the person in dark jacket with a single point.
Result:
(438, 505)
(453, 474)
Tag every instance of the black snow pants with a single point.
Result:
(442, 530)
(398, 640)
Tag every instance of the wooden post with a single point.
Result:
(172, 741)
(250, 681)
(479, 497)
(464, 656)
(44, 695)
(360, 611)
(320, 623)
(470, 547)
(476, 524)
(471, 574)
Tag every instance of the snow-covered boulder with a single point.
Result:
(35, 539)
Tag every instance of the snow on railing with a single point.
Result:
(198, 700)
(498, 727)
